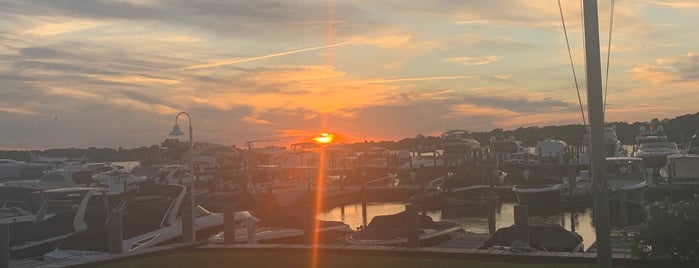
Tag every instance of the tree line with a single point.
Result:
(679, 129)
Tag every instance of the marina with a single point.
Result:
(348, 134)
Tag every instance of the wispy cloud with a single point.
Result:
(235, 61)
(676, 4)
(13, 110)
(414, 79)
(474, 60)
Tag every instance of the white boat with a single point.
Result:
(551, 151)
(457, 145)
(681, 169)
(66, 176)
(612, 146)
(652, 145)
(654, 154)
(150, 218)
(19, 170)
(627, 174)
(62, 213)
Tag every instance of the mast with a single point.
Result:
(600, 184)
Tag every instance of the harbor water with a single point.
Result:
(581, 221)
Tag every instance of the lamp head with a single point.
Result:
(176, 131)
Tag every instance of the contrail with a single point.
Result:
(234, 61)
(419, 79)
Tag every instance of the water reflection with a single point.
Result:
(580, 221)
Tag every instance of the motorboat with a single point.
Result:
(551, 151)
(652, 145)
(150, 217)
(627, 174)
(540, 191)
(654, 154)
(457, 145)
(63, 177)
(612, 146)
(280, 229)
(60, 213)
(681, 169)
(505, 146)
(542, 237)
(11, 169)
(392, 230)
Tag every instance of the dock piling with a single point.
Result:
(491, 210)
(411, 212)
(308, 222)
(4, 245)
(229, 225)
(522, 222)
(116, 233)
(622, 208)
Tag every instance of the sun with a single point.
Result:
(324, 138)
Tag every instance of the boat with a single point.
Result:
(551, 151)
(612, 146)
(150, 218)
(457, 145)
(542, 185)
(60, 214)
(73, 175)
(680, 169)
(693, 145)
(541, 191)
(11, 169)
(627, 174)
(280, 229)
(392, 230)
(542, 237)
(505, 146)
(652, 145)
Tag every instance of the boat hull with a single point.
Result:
(539, 197)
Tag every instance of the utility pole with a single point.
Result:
(598, 160)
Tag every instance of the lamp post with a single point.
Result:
(188, 231)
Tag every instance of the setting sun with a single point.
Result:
(324, 138)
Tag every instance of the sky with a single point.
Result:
(115, 73)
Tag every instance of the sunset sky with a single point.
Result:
(113, 73)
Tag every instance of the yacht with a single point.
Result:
(681, 169)
(652, 145)
(19, 170)
(627, 174)
(60, 213)
(150, 218)
(75, 175)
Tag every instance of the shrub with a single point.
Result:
(670, 233)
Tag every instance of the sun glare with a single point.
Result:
(324, 138)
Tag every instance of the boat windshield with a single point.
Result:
(656, 145)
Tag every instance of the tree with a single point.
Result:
(670, 233)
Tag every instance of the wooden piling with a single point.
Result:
(4, 245)
(364, 199)
(308, 223)
(622, 208)
(229, 225)
(491, 210)
(522, 222)
(116, 233)
(411, 211)
(187, 226)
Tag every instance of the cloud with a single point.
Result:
(19, 111)
(279, 54)
(670, 70)
(474, 60)
(676, 4)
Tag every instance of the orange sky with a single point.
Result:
(116, 72)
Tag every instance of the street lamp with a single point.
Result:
(188, 231)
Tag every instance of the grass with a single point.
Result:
(231, 258)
